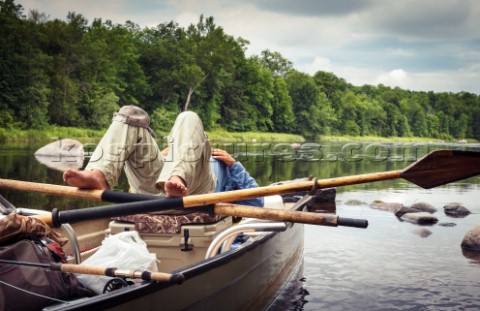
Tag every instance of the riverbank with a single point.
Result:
(16, 136)
(377, 139)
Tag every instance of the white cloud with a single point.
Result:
(396, 77)
(318, 64)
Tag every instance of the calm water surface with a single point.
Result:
(388, 266)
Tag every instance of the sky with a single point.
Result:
(420, 45)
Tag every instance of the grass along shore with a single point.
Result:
(16, 136)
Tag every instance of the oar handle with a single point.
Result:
(74, 192)
(61, 217)
(352, 222)
(321, 219)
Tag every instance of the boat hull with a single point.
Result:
(246, 278)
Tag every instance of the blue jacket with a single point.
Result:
(234, 177)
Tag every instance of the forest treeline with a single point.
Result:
(75, 73)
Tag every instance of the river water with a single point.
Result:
(391, 265)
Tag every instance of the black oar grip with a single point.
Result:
(123, 197)
(352, 222)
(62, 217)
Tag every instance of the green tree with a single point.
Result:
(10, 21)
(433, 126)
(162, 119)
(161, 58)
(70, 73)
(375, 118)
(23, 82)
(275, 62)
(444, 121)
(312, 110)
(330, 84)
(63, 45)
(283, 117)
(249, 105)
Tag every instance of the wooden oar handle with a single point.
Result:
(90, 194)
(276, 214)
(320, 219)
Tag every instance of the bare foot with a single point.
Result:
(93, 179)
(175, 187)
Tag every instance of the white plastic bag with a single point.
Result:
(126, 251)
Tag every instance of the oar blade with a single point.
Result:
(441, 167)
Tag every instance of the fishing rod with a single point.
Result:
(176, 278)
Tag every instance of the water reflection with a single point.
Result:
(293, 296)
(474, 256)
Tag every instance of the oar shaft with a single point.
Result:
(196, 200)
(244, 194)
(276, 214)
(60, 190)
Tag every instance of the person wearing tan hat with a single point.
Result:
(129, 144)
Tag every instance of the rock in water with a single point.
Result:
(62, 148)
(385, 206)
(424, 207)
(456, 210)
(402, 210)
(471, 240)
(447, 224)
(354, 202)
(422, 232)
(421, 218)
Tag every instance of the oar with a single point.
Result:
(176, 278)
(56, 218)
(437, 168)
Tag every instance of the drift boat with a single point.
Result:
(217, 276)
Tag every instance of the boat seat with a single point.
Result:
(168, 223)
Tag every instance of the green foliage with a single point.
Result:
(274, 62)
(162, 120)
(313, 113)
(283, 117)
(73, 73)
